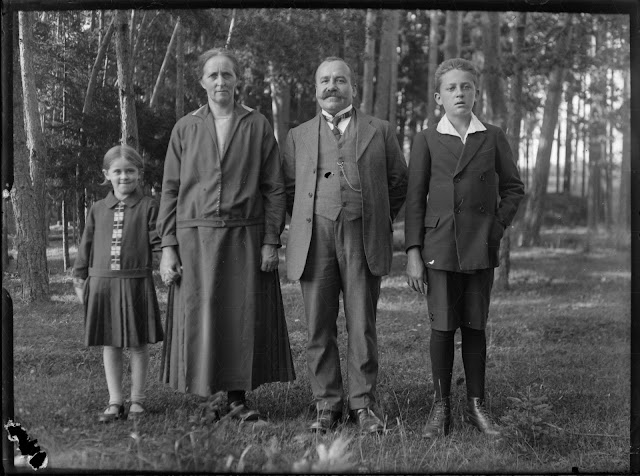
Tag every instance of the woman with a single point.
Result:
(221, 214)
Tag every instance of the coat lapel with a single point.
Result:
(238, 113)
(474, 141)
(311, 138)
(365, 133)
(207, 117)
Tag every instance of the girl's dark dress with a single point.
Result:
(121, 307)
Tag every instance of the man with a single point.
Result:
(345, 179)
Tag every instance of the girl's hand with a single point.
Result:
(416, 271)
(78, 286)
(269, 258)
(170, 266)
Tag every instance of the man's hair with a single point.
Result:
(456, 63)
(330, 59)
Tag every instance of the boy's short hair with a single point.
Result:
(456, 63)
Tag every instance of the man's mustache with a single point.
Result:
(329, 94)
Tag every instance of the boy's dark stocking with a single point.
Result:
(474, 356)
(441, 351)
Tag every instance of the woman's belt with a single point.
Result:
(219, 222)
(120, 273)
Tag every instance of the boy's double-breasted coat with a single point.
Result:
(460, 198)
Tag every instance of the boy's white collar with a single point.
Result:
(445, 127)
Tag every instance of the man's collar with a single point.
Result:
(326, 114)
(130, 201)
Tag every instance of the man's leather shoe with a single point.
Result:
(476, 414)
(240, 411)
(439, 422)
(326, 419)
(368, 421)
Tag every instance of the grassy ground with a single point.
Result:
(558, 380)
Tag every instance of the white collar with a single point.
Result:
(445, 127)
(348, 108)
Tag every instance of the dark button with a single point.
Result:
(310, 194)
(344, 204)
(482, 177)
(313, 171)
(456, 180)
(457, 210)
(308, 220)
(482, 209)
(342, 188)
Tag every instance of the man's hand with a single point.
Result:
(269, 258)
(416, 271)
(170, 266)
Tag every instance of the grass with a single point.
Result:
(557, 378)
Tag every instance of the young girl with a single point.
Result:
(112, 278)
(454, 223)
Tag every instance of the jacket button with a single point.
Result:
(308, 220)
(457, 210)
(313, 171)
(456, 180)
(482, 177)
(310, 194)
(482, 209)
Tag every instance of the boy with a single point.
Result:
(453, 228)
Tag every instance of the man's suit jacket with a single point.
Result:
(383, 179)
(453, 197)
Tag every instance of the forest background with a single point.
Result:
(557, 83)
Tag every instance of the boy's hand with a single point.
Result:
(78, 286)
(416, 271)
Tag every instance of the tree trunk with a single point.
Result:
(128, 122)
(27, 195)
(568, 142)
(163, 69)
(369, 63)
(535, 205)
(180, 74)
(623, 217)
(597, 143)
(451, 46)
(513, 126)
(558, 145)
(231, 25)
(434, 39)
(5, 234)
(66, 262)
(496, 108)
(393, 66)
(388, 43)
(280, 104)
(102, 51)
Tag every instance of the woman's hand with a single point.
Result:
(78, 285)
(269, 258)
(416, 271)
(170, 266)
